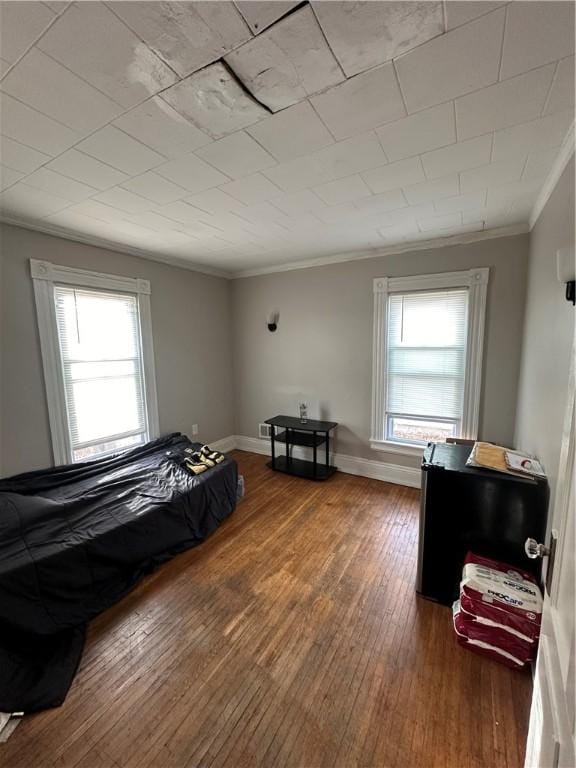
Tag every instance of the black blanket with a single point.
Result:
(75, 539)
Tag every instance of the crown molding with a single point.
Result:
(405, 247)
(562, 159)
(100, 242)
(338, 258)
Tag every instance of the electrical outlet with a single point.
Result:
(194, 429)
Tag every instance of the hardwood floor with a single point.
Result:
(293, 637)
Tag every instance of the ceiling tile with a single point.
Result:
(215, 201)
(561, 95)
(265, 212)
(521, 210)
(386, 201)
(457, 157)
(467, 202)
(446, 221)
(8, 177)
(180, 212)
(539, 164)
(186, 35)
(537, 33)
(507, 103)
(344, 158)
(287, 62)
(87, 169)
(399, 233)
(460, 229)
(152, 221)
(336, 214)
(412, 135)
(458, 62)
(228, 223)
(156, 188)
(260, 14)
(360, 153)
(159, 177)
(447, 186)
(407, 215)
(57, 5)
(192, 173)
(110, 57)
(20, 157)
(395, 175)
(460, 12)
(4, 66)
(99, 210)
(291, 133)
(42, 83)
(361, 103)
(119, 150)
(21, 24)
(538, 134)
(124, 200)
(299, 203)
(506, 194)
(28, 126)
(56, 184)
(164, 238)
(73, 221)
(493, 216)
(300, 173)
(159, 126)
(236, 155)
(22, 200)
(215, 101)
(492, 175)
(252, 189)
(366, 34)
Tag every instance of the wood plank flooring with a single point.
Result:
(293, 637)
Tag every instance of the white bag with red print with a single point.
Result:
(494, 642)
(502, 594)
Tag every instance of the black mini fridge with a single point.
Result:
(466, 508)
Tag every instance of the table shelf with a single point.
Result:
(308, 439)
(308, 434)
(300, 468)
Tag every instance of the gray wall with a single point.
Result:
(191, 327)
(548, 332)
(323, 346)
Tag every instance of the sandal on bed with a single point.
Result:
(196, 469)
(211, 455)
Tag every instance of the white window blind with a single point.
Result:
(426, 364)
(102, 369)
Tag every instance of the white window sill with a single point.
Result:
(404, 449)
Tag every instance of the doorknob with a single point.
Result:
(534, 549)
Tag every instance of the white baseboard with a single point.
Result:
(351, 465)
(225, 444)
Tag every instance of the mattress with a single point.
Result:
(75, 539)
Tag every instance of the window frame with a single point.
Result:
(476, 281)
(45, 276)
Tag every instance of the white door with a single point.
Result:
(551, 736)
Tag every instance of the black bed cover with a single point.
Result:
(75, 539)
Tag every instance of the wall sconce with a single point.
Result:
(272, 321)
(566, 268)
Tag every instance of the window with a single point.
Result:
(97, 351)
(428, 334)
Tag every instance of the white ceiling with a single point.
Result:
(247, 135)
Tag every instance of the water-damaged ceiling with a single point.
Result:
(236, 136)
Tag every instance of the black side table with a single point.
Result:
(310, 433)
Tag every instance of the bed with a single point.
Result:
(75, 539)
